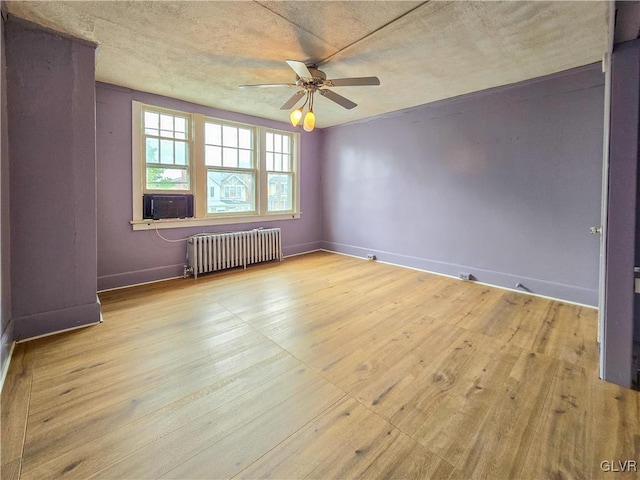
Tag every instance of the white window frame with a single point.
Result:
(188, 141)
(198, 175)
(255, 169)
(292, 172)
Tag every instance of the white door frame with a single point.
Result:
(604, 204)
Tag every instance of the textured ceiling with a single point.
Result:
(421, 51)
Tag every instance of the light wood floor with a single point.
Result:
(323, 366)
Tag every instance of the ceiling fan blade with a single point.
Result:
(269, 85)
(301, 70)
(293, 100)
(352, 82)
(339, 99)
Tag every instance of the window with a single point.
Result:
(279, 171)
(230, 160)
(236, 172)
(166, 158)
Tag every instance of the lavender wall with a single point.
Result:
(51, 105)
(621, 228)
(503, 184)
(127, 257)
(6, 322)
(636, 311)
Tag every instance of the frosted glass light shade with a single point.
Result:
(309, 121)
(296, 115)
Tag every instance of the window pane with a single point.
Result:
(152, 150)
(229, 136)
(280, 192)
(286, 143)
(277, 162)
(213, 156)
(167, 178)
(166, 151)
(269, 142)
(213, 134)
(230, 157)
(181, 153)
(245, 158)
(151, 120)
(232, 192)
(245, 138)
(151, 123)
(277, 143)
(166, 133)
(180, 135)
(286, 163)
(166, 122)
(269, 161)
(181, 125)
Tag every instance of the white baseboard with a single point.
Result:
(524, 292)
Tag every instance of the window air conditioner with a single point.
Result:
(157, 206)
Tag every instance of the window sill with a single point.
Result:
(203, 222)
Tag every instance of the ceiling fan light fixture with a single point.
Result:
(296, 116)
(309, 121)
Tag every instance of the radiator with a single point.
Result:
(219, 251)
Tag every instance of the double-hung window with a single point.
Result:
(167, 139)
(279, 165)
(236, 172)
(232, 174)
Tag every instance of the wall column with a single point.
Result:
(52, 160)
(617, 343)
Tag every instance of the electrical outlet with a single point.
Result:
(465, 276)
(371, 256)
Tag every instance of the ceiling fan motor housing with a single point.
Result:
(318, 77)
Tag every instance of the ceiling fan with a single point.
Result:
(310, 80)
